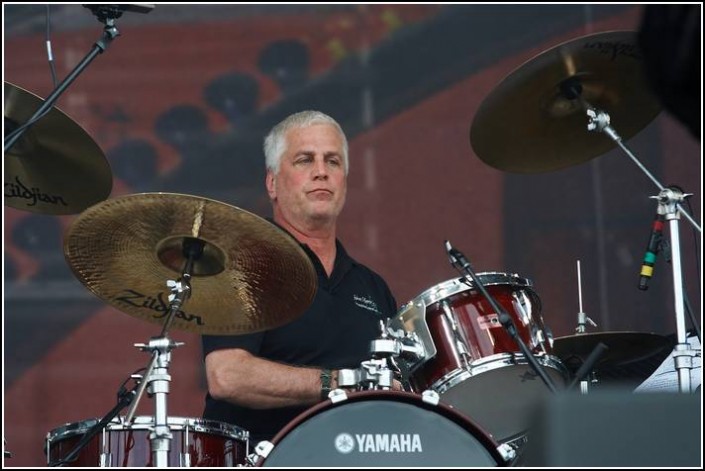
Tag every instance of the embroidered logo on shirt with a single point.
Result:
(366, 303)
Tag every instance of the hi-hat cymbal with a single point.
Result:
(55, 167)
(252, 275)
(631, 356)
(528, 123)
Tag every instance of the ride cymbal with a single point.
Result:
(534, 120)
(55, 167)
(252, 275)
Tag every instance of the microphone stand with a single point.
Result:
(459, 261)
(106, 16)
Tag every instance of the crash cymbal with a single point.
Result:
(252, 275)
(55, 167)
(533, 122)
(631, 356)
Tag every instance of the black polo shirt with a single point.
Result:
(335, 332)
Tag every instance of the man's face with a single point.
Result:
(311, 183)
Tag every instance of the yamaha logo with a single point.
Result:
(344, 443)
(379, 443)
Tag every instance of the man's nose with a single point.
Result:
(320, 170)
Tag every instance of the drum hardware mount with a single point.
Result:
(460, 342)
(379, 371)
(459, 262)
(583, 319)
(586, 369)
(587, 377)
(157, 373)
(110, 32)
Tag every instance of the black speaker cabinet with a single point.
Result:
(616, 429)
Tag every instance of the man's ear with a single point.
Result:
(271, 182)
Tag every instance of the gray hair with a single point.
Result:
(275, 142)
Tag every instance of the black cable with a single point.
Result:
(693, 321)
(666, 247)
(695, 239)
(50, 56)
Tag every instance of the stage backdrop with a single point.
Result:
(181, 101)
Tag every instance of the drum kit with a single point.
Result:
(473, 352)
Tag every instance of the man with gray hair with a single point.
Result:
(262, 381)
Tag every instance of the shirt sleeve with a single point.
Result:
(249, 342)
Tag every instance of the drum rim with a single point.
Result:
(446, 411)
(495, 362)
(142, 422)
(454, 286)
(69, 429)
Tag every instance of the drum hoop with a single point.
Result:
(495, 362)
(457, 285)
(70, 429)
(440, 408)
(144, 422)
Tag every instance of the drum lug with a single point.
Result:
(337, 395)
(460, 342)
(262, 450)
(430, 396)
(507, 451)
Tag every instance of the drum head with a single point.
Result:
(500, 393)
(380, 428)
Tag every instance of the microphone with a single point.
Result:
(457, 259)
(647, 267)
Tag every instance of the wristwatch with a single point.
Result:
(326, 375)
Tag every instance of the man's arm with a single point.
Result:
(237, 376)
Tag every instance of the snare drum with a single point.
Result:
(380, 428)
(470, 359)
(195, 442)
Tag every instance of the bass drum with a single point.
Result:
(381, 428)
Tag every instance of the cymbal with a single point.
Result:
(527, 124)
(55, 167)
(631, 356)
(252, 275)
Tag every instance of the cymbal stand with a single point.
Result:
(599, 121)
(156, 378)
(583, 320)
(669, 206)
(668, 200)
(107, 16)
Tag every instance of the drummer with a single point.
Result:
(261, 381)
